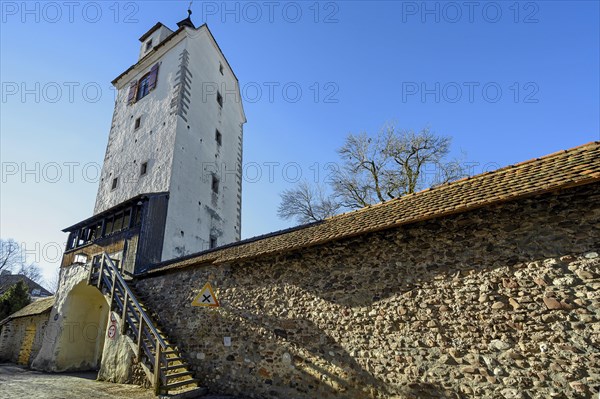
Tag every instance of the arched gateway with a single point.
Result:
(81, 341)
(75, 335)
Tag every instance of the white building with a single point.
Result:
(170, 186)
(177, 128)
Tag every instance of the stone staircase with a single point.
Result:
(162, 361)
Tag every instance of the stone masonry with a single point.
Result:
(498, 302)
(22, 338)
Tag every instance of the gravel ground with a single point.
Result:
(17, 382)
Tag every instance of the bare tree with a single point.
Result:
(31, 271)
(54, 282)
(413, 152)
(306, 203)
(364, 178)
(375, 169)
(13, 259)
(10, 255)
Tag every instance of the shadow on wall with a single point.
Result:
(399, 312)
(325, 368)
(366, 270)
(329, 369)
(84, 317)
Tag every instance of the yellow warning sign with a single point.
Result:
(206, 297)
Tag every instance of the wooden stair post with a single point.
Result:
(99, 284)
(152, 347)
(157, 355)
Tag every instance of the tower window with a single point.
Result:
(221, 68)
(143, 168)
(148, 44)
(143, 87)
(138, 123)
(114, 183)
(215, 184)
(218, 137)
(220, 99)
(213, 242)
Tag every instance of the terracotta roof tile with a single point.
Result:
(562, 169)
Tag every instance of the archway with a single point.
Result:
(85, 315)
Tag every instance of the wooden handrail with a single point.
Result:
(145, 325)
(133, 299)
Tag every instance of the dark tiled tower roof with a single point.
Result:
(187, 22)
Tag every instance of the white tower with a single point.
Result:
(177, 127)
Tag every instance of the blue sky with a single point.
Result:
(509, 81)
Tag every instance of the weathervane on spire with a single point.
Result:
(190, 7)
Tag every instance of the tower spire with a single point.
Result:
(188, 21)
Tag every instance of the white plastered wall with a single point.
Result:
(74, 337)
(195, 212)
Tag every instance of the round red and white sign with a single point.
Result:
(112, 331)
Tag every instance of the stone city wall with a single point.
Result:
(499, 302)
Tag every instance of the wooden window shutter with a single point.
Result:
(152, 78)
(132, 92)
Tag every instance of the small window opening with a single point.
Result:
(138, 123)
(148, 44)
(143, 168)
(218, 137)
(127, 219)
(109, 226)
(220, 99)
(143, 87)
(213, 242)
(114, 183)
(215, 184)
(118, 222)
(221, 68)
